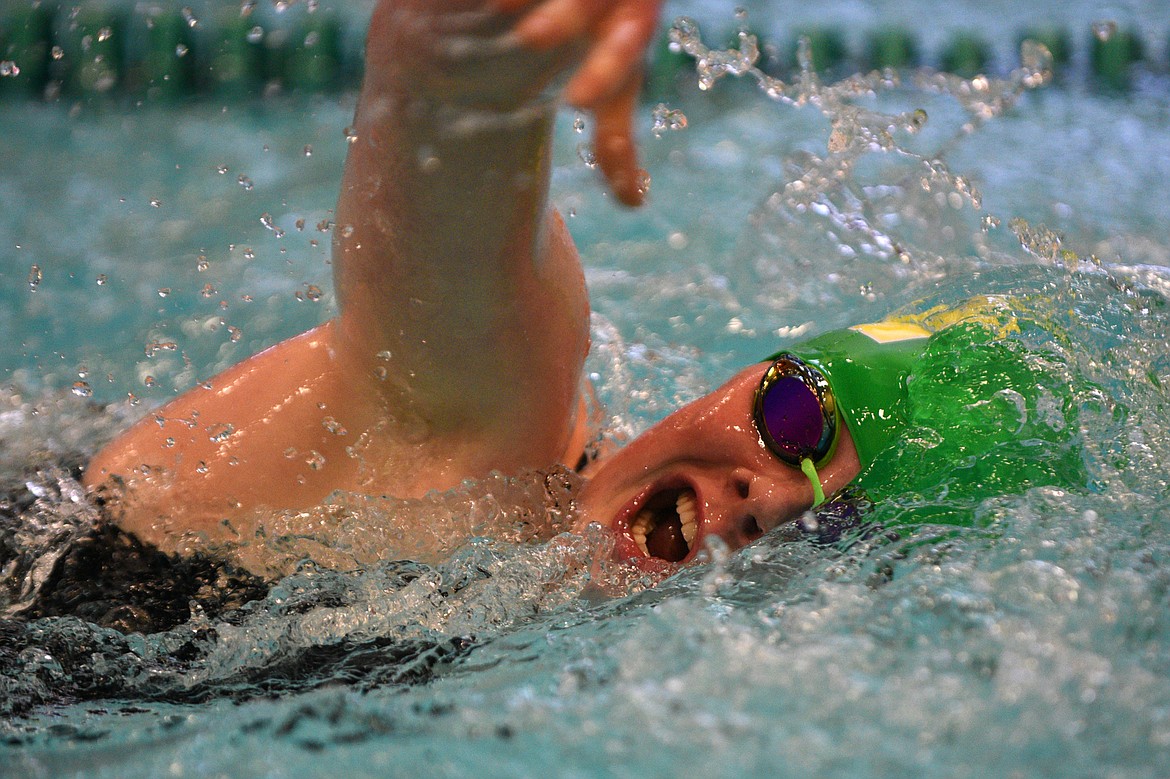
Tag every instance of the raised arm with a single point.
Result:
(448, 263)
(464, 318)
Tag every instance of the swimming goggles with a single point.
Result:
(797, 418)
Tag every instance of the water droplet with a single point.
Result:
(221, 169)
(155, 203)
(266, 220)
(256, 34)
(300, 223)
(325, 225)
(350, 135)
(667, 119)
(333, 426)
(642, 182)
(245, 182)
(201, 263)
(217, 434)
(9, 68)
(102, 279)
(180, 50)
(164, 292)
(308, 150)
(57, 53)
(235, 333)
(1104, 30)
(82, 372)
(189, 17)
(578, 123)
(249, 254)
(82, 389)
(104, 34)
(208, 290)
(313, 292)
(34, 277)
(169, 442)
(315, 460)
(586, 155)
(201, 467)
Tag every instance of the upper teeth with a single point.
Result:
(645, 521)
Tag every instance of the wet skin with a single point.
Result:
(712, 448)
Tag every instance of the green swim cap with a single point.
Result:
(867, 367)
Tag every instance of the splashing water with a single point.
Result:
(1033, 640)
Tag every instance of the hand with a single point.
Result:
(607, 82)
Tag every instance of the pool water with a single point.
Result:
(144, 249)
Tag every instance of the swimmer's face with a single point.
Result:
(706, 460)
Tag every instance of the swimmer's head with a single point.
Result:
(758, 452)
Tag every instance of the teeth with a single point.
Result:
(685, 505)
(645, 521)
(642, 526)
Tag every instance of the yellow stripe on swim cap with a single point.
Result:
(892, 332)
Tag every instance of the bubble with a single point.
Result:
(333, 426)
(57, 53)
(34, 277)
(315, 460)
(201, 263)
(245, 182)
(189, 17)
(104, 34)
(266, 220)
(586, 155)
(9, 68)
(164, 292)
(255, 35)
(221, 169)
(308, 150)
(350, 135)
(82, 389)
(578, 123)
(155, 203)
(181, 50)
(102, 279)
(249, 253)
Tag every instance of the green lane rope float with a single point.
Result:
(94, 48)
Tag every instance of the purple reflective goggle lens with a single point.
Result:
(795, 412)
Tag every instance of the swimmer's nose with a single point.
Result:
(766, 502)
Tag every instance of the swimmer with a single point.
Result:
(464, 318)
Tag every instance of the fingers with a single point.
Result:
(613, 144)
(615, 56)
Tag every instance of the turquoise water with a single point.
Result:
(1037, 645)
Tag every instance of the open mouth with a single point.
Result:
(666, 526)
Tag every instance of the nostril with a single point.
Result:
(742, 487)
(750, 528)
